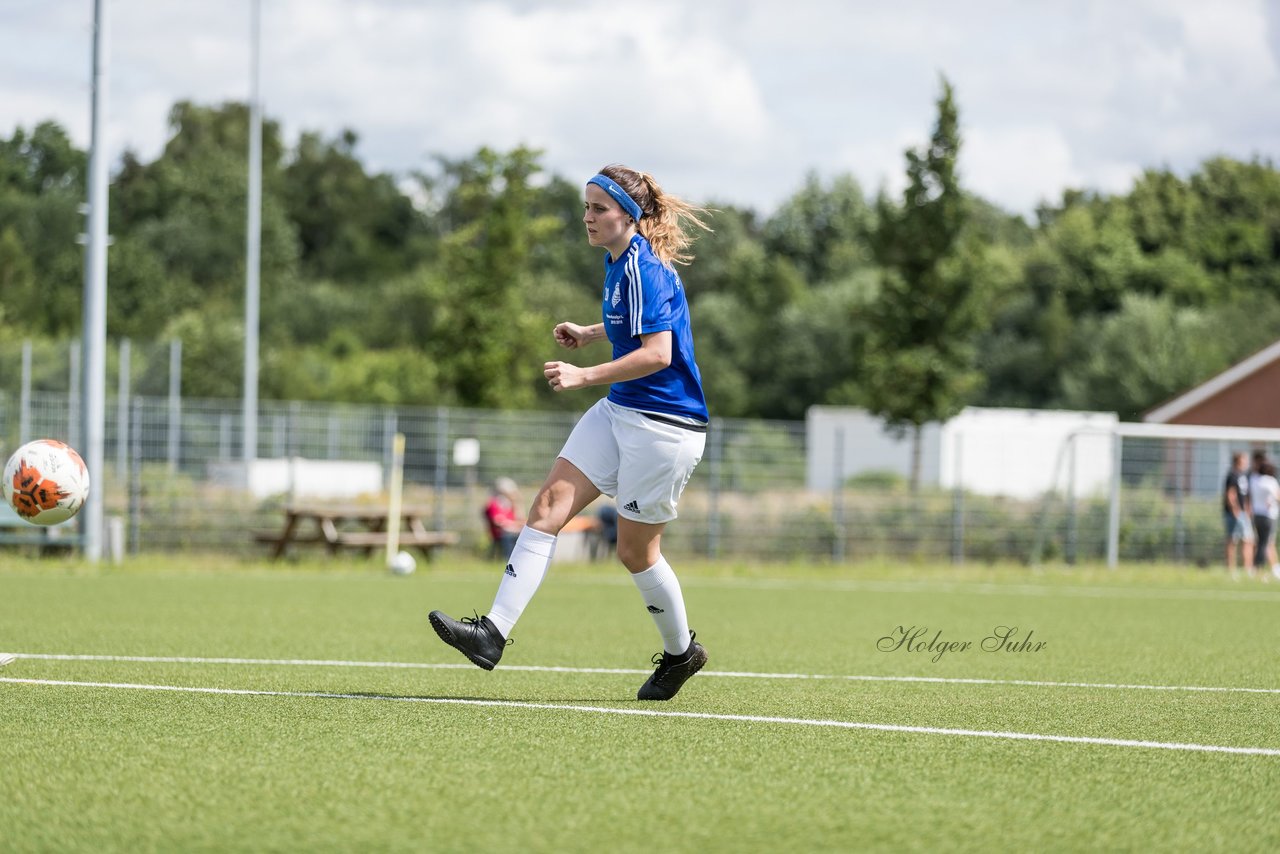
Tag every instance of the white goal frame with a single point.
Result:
(1122, 431)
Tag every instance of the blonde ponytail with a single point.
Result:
(668, 222)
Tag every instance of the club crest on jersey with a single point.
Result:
(617, 294)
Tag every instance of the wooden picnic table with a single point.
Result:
(353, 526)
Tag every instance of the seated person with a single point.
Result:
(503, 516)
(608, 516)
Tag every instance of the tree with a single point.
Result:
(1153, 349)
(1237, 224)
(41, 190)
(726, 350)
(445, 292)
(1146, 352)
(351, 226)
(823, 232)
(1164, 211)
(44, 161)
(919, 364)
(188, 208)
(17, 282)
(481, 336)
(813, 349)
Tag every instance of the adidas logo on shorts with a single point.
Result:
(631, 506)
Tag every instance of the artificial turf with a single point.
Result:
(436, 755)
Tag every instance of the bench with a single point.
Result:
(16, 531)
(329, 526)
(424, 540)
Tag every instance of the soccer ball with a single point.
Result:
(46, 482)
(403, 564)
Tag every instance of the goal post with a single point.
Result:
(1177, 469)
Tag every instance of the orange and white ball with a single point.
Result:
(45, 482)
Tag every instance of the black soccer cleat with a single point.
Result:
(475, 637)
(673, 671)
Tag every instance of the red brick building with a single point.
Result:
(1247, 394)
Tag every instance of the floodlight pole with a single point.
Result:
(253, 246)
(94, 320)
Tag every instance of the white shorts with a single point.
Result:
(642, 462)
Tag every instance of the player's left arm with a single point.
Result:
(653, 354)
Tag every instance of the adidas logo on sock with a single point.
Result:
(654, 609)
(631, 506)
(510, 570)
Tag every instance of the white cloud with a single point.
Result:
(1022, 166)
(720, 99)
(1229, 36)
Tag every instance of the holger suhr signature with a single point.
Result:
(918, 639)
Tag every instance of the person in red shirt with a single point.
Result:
(504, 519)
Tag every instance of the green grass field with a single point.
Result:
(345, 725)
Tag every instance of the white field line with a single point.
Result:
(983, 588)
(604, 710)
(732, 674)
(1246, 593)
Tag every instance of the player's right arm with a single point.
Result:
(571, 336)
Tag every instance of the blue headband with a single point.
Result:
(619, 195)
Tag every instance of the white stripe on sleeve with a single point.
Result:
(635, 294)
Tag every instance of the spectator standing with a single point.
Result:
(1236, 514)
(1264, 494)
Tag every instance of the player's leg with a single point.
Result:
(656, 461)
(564, 495)
(1233, 530)
(640, 545)
(482, 639)
(640, 550)
(587, 463)
(1262, 534)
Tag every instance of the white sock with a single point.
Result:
(661, 591)
(520, 579)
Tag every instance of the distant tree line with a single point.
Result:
(441, 287)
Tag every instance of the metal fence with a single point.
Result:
(747, 499)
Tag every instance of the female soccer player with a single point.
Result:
(639, 444)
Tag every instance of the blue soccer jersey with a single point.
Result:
(643, 295)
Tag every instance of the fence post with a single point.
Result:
(442, 464)
(713, 497)
(1179, 523)
(957, 508)
(277, 435)
(1113, 510)
(122, 413)
(224, 438)
(24, 396)
(73, 397)
(175, 400)
(837, 499)
(292, 429)
(134, 491)
(1072, 527)
(389, 430)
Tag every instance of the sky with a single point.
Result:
(728, 101)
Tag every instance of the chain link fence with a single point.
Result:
(747, 500)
